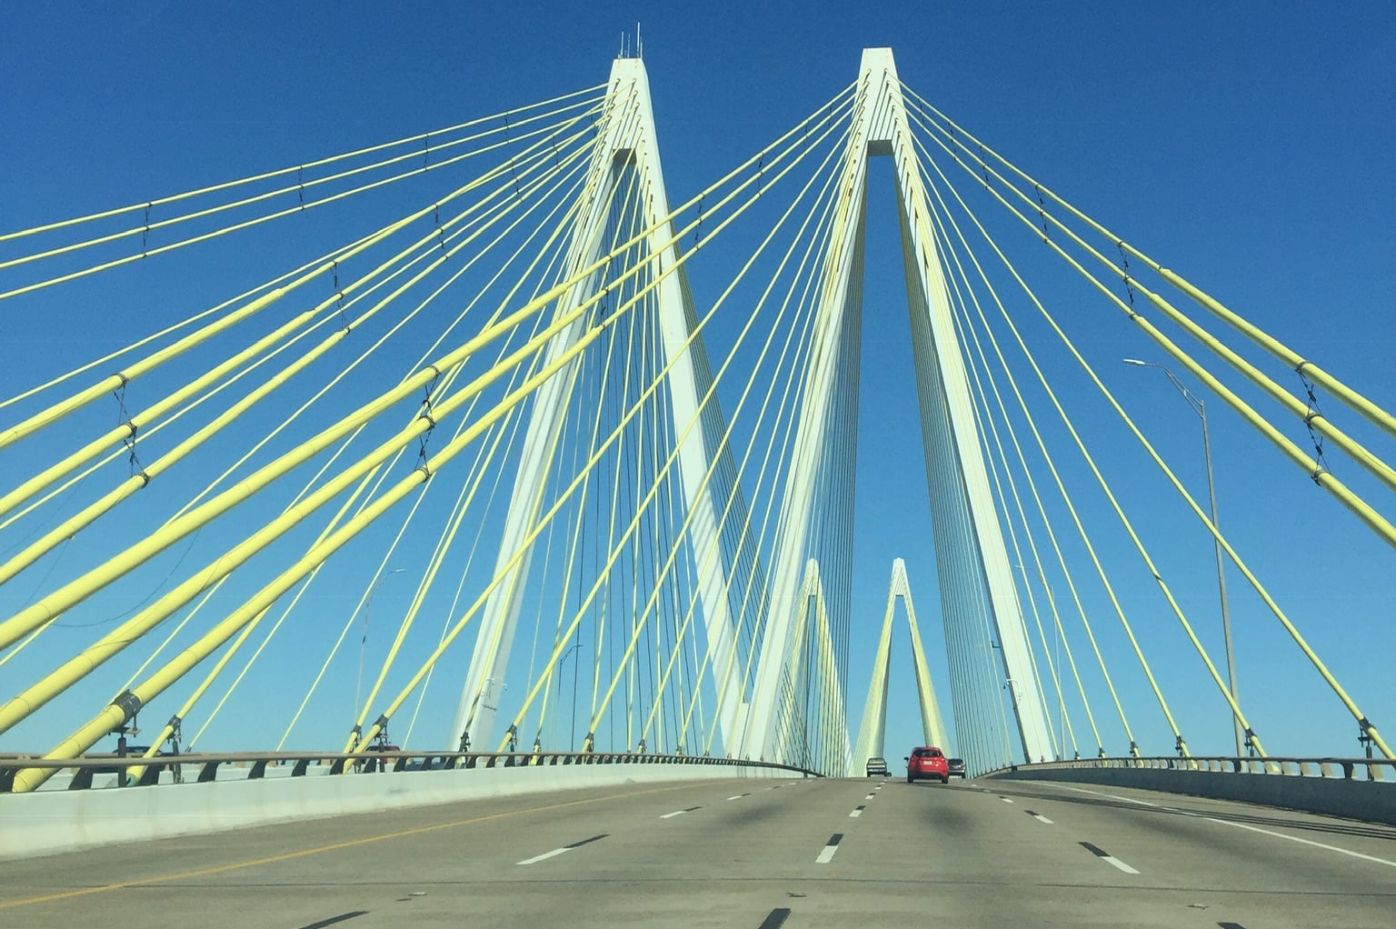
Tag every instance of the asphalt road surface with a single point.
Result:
(752, 854)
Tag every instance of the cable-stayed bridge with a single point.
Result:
(615, 496)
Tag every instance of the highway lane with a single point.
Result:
(745, 853)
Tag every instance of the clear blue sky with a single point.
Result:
(1247, 146)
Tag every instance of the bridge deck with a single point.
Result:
(983, 853)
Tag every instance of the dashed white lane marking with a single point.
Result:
(857, 811)
(558, 851)
(827, 854)
(739, 796)
(1039, 817)
(1226, 822)
(868, 797)
(1112, 860)
(1108, 858)
(545, 856)
(1005, 800)
(680, 812)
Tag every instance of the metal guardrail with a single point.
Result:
(257, 763)
(1371, 769)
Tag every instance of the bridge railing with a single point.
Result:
(1367, 769)
(136, 771)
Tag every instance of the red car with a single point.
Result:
(927, 762)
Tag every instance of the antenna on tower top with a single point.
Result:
(627, 50)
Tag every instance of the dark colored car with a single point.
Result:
(956, 767)
(877, 766)
(926, 763)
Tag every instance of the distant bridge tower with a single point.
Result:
(873, 729)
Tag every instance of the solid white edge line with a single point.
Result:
(1295, 838)
(1226, 822)
(545, 856)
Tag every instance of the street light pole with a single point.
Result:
(1200, 409)
(363, 637)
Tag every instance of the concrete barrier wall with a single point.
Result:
(1374, 801)
(48, 822)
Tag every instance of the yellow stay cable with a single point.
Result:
(1125, 522)
(174, 327)
(1095, 561)
(236, 227)
(175, 669)
(1319, 475)
(227, 656)
(1005, 467)
(988, 431)
(100, 725)
(536, 152)
(118, 639)
(759, 178)
(1272, 345)
(1188, 498)
(625, 131)
(50, 607)
(402, 634)
(173, 198)
(301, 187)
(983, 412)
(826, 295)
(712, 549)
(155, 468)
(581, 477)
(548, 247)
(1302, 411)
(784, 426)
(629, 365)
(673, 456)
(203, 398)
(634, 204)
(726, 436)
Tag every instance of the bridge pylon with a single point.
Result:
(628, 143)
(872, 730)
(977, 589)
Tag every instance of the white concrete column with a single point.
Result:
(630, 143)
